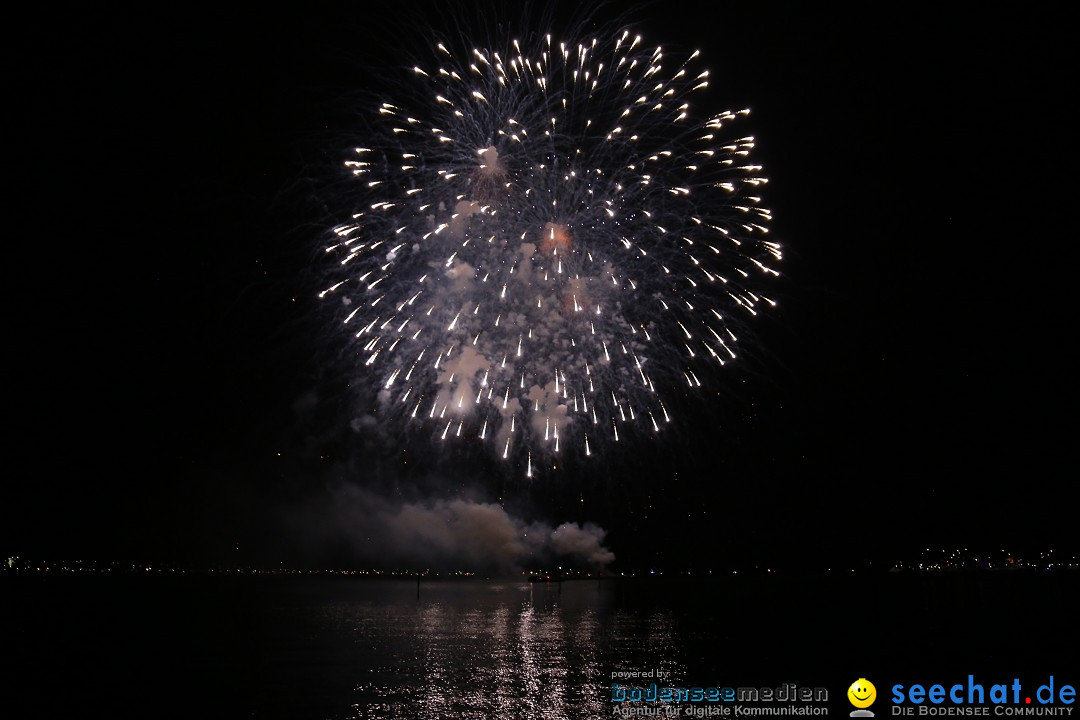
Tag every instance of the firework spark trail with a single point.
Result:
(548, 245)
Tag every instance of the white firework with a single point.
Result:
(547, 245)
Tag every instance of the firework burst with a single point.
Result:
(548, 244)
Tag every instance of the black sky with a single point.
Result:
(916, 386)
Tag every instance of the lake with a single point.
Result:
(344, 647)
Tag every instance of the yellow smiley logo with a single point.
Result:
(862, 693)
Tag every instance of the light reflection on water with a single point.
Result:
(479, 650)
(337, 648)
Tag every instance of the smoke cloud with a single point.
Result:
(459, 534)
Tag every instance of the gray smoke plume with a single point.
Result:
(459, 534)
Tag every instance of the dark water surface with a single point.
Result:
(288, 647)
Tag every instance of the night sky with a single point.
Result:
(174, 175)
